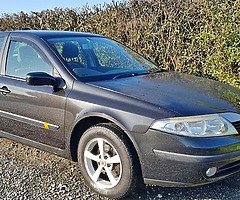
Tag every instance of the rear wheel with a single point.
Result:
(106, 161)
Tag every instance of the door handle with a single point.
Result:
(4, 90)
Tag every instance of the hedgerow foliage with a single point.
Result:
(200, 37)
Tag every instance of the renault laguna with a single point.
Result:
(89, 99)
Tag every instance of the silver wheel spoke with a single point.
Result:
(91, 156)
(114, 159)
(100, 146)
(97, 173)
(110, 176)
(101, 157)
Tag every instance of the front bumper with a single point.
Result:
(173, 161)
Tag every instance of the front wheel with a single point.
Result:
(106, 161)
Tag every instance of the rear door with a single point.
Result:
(32, 112)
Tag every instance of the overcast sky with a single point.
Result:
(13, 6)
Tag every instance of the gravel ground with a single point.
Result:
(28, 173)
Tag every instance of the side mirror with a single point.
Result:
(42, 78)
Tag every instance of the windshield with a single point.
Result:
(97, 58)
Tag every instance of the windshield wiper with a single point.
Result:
(124, 75)
(129, 75)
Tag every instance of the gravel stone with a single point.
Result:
(30, 174)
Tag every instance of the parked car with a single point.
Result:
(124, 120)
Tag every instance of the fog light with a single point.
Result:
(211, 171)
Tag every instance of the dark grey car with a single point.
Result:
(92, 100)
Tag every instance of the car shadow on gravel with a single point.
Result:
(226, 189)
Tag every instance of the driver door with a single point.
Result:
(31, 112)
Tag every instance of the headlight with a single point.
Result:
(196, 126)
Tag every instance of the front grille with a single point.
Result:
(236, 125)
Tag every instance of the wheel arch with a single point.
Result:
(90, 119)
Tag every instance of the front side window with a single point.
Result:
(97, 58)
(24, 58)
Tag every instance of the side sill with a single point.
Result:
(38, 145)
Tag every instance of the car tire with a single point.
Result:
(106, 160)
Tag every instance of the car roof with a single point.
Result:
(52, 33)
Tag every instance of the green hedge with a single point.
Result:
(200, 37)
